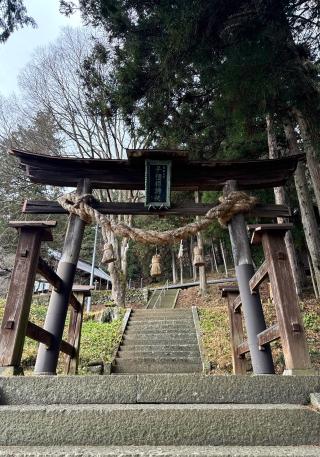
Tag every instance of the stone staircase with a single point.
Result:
(163, 298)
(159, 415)
(159, 341)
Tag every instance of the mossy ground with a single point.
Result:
(98, 340)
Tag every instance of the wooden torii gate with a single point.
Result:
(88, 174)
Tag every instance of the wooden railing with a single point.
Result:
(16, 324)
(289, 327)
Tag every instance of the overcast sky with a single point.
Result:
(15, 53)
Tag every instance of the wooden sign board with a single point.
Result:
(157, 183)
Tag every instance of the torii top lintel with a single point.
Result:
(130, 174)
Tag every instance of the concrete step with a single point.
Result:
(166, 339)
(172, 310)
(163, 313)
(157, 330)
(164, 326)
(161, 322)
(154, 355)
(160, 357)
(125, 347)
(161, 319)
(157, 365)
(171, 352)
(163, 451)
(159, 425)
(157, 388)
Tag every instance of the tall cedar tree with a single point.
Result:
(187, 66)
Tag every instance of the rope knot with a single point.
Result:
(84, 198)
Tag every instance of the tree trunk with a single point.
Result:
(189, 253)
(214, 256)
(312, 161)
(223, 258)
(118, 276)
(194, 269)
(202, 268)
(181, 270)
(174, 267)
(308, 218)
(312, 277)
(280, 199)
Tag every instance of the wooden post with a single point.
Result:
(75, 325)
(293, 338)
(239, 363)
(17, 309)
(252, 308)
(47, 359)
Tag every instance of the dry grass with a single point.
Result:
(215, 326)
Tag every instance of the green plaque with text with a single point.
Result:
(158, 183)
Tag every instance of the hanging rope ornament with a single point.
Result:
(155, 266)
(198, 260)
(108, 254)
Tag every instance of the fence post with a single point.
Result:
(239, 363)
(75, 326)
(292, 334)
(17, 308)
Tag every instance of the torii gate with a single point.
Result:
(227, 176)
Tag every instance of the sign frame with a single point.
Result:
(149, 202)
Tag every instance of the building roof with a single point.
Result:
(83, 266)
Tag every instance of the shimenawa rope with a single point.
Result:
(234, 203)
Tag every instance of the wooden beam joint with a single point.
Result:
(39, 334)
(74, 302)
(243, 349)
(267, 336)
(49, 274)
(237, 304)
(68, 349)
(259, 276)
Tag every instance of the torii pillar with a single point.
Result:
(47, 358)
(251, 304)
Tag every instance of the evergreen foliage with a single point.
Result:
(194, 71)
(13, 14)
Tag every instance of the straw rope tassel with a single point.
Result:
(155, 266)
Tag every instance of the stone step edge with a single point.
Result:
(157, 451)
(159, 332)
(156, 320)
(158, 352)
(160, 335)
(167, 359)
(158, 407)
